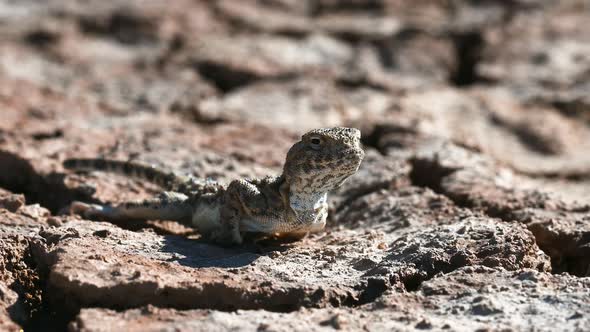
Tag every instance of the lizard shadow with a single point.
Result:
(198, 253)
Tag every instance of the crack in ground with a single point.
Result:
(468, 47)
(374, 135)
(282, 300)
(17, 175)
(573, 176)
(223, 78)
(530, 138)
(428, 174)
(32, 311)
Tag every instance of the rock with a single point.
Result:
(11, 202)
(359, 27)
(401, 64)
(467, 299)
(298, 105)
(8, 298)
(481, 295)
(150, 94)
(475, 183)
(421, 254)
(155, 268)
(31, 162)
(133, 269)
(470, 180)
(276, 20)
(563, 235)
(393, 209)
(534, 141)
(535, 60)
(269, 19)
(20, 293)
(376, 172)
(248, 58)
(544, 63)
(420, 55)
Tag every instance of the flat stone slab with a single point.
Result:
(470, 212)
(93, 263)
(468, 299)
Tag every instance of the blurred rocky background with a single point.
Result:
(470, 212)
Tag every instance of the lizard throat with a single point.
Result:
(308, 208)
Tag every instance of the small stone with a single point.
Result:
(11, 202)
(364, 264)
(424, 325)
(337, 321)
(54, 221)
(485, 308)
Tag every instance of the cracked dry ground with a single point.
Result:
(470, 212)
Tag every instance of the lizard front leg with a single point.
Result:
(165, 206)
(252, 206)
(245, 209)
(232, 211)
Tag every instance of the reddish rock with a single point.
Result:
(470, 298)
(20, 293)
(475, 182)
(235, 61)
(560, 228)
(10, 201)
(298, 105)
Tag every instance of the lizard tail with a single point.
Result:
(166, 180)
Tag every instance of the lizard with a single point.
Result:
(291, 204)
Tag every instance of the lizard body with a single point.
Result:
(293, 203)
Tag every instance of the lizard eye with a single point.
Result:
(315, 143)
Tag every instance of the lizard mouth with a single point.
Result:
(353, 154)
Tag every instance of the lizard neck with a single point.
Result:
(302, 198)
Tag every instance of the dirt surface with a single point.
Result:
(471, 210)
(469, 299)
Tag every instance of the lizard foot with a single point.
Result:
(88, 211)
(227, 237)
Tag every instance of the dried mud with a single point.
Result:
(471, 210)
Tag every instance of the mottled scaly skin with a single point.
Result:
(167, 180)
(291, 204)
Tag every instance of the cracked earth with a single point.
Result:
(471, 210)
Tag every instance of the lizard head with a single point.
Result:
(324, 158)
